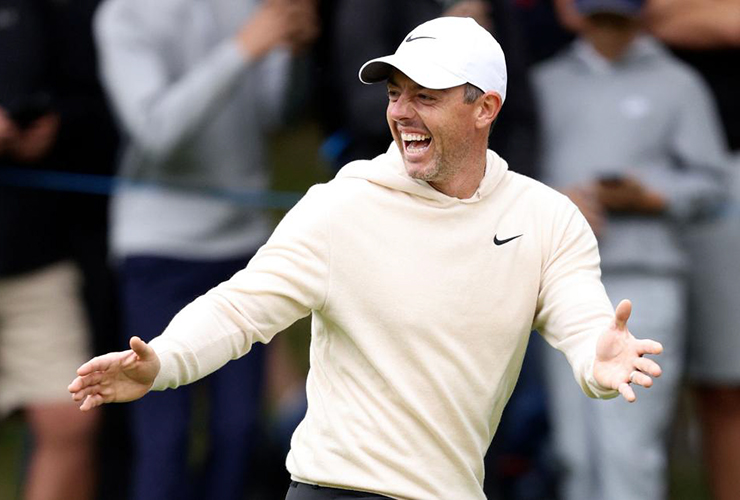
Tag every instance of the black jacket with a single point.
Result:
(48, 64)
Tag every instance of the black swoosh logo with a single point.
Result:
(411, 39)
(499, 242)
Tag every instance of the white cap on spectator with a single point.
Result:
(444, 53)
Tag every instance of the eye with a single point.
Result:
(425, 97)
(392, 95)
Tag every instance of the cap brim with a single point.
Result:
(424, 72)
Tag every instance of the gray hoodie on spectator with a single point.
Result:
(194, 111)
(646, 115)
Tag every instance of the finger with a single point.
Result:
(87, 391)
(648, 366)
(641, 379)
(647, 346)
(91, 402)
(99, 363)
(80, 383)
(627, 393)
(622, 314)
(76, 384)
(141, 348)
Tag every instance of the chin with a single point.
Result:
(422, 172)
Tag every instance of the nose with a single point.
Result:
(400, 109)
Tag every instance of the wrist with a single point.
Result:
(251, 48)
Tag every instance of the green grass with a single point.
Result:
(12, 439)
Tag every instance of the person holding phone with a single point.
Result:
(633, 137)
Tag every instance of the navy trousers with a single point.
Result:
(154, 289)
(302, 491)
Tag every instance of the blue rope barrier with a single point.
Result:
(105, 185)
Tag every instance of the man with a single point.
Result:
(633, 137)
(425, 270)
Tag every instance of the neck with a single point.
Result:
(465, 182)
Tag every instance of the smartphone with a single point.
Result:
(611, 180)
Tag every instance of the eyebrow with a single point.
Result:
(414, 86)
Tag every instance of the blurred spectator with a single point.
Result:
(632, 136)
(706, 34)
(546, 34)
(195, 84)
(54, 280)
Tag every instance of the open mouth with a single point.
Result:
(415, 143)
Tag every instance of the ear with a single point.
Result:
(489, 106)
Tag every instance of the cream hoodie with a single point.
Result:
(420, 321)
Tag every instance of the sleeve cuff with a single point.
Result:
(167, 376)
(593, 388)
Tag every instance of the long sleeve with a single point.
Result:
(696, 184)
(159, 108)
(284, 282)
(573, 308)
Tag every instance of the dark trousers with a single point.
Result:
(154, 289)
(302, 491)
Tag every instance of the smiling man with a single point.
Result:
(433, 132)
(425, 270)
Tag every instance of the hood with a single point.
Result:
(387, 170)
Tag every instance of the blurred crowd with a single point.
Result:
(136, 172)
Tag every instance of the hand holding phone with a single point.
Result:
(612, 180)
(626, 194)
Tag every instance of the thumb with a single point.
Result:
(141, 348)
(622, 314)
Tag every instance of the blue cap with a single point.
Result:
(623, 7)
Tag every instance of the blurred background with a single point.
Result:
(148, 148)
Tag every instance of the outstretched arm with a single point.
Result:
(620, 359)
(116, 377)
(695, 24)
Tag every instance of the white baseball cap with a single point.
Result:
(444, 53)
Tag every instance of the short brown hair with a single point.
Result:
(471, 93)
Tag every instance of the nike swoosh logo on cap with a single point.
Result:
(411, 39)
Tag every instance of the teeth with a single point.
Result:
(414, 137)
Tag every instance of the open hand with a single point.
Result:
(116, 377)
(619, 357)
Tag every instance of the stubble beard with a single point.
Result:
(441, 170)
(445, 167)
